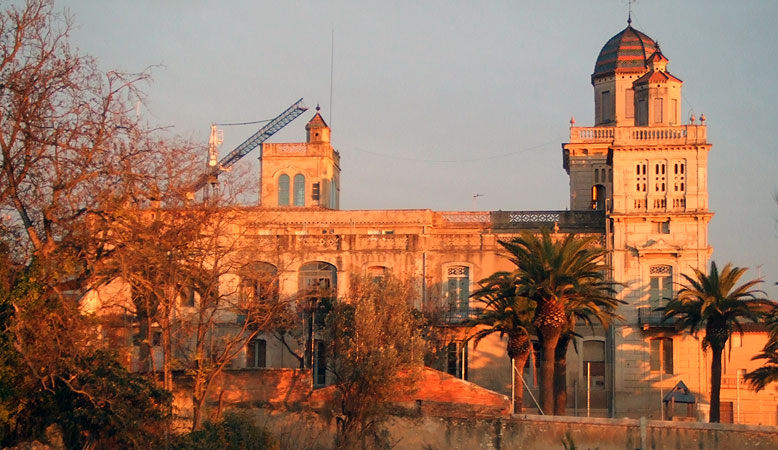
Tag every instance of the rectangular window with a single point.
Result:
(606, 106)
(456, 360)
(662, 227)
(674, 111)
(661, 357)
(256, 354)
(315, 192)
(660, 287)
(640, 177)
(629, 103)
(594, 363)
(658, 105)
(458, 292)
(642, 112)
(660, 177)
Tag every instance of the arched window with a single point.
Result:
(258, 282)
(319, 279)
(598, 197)
(299, 190)
(283, 190)
(377, 273)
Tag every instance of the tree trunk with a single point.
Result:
(518, 350)
(167, 354)
(560, 375)
(550, 339)
(715, 384)
(518, 391)
(144, 346)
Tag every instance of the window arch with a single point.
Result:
(258, 282)
(377, 272)
(283, 190)
(598, 197)
(319, 278)
(299, 190)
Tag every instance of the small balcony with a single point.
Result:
(648, 319)
(458, 316)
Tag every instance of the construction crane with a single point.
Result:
(214, 168)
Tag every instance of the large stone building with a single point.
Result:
(638, 179)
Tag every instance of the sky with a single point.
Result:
(433, 102)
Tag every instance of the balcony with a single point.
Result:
(458, 316)
(648, 319)
(566, 221)
(684, 134)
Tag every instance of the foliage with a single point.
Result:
(377, 351)
(56, 372)
(508, 314)
(557, 273)
(234, 432)
(715, 301)
(768, 373)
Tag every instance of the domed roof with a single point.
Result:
(625, 52)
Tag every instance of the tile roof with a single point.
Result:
(627, 51)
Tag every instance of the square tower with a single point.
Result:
(649, 173)
(301, 174)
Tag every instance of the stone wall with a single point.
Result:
(530, 433)
(547, 433)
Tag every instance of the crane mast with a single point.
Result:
(214, 168)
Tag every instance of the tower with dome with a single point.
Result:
(647, 169)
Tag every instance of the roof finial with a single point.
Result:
(629, 14)
(318, 108)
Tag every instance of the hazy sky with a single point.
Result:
(435, 101)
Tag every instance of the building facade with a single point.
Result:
(638, 180)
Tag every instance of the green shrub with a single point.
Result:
(234, 432)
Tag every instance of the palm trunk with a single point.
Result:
(518, 391)
(715, 384)
(560, 375)
(548, 349)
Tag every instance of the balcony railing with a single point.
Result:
(648, 318)
(683, 134)
(458, 316)
(589, 220)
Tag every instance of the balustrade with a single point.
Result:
(685, 134)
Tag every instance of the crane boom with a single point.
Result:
(254, 141)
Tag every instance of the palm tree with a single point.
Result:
(507, 314)
(714, 301)
(555, 272)
(588, 309)
(768, 373)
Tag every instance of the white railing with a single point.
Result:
(685, 134)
